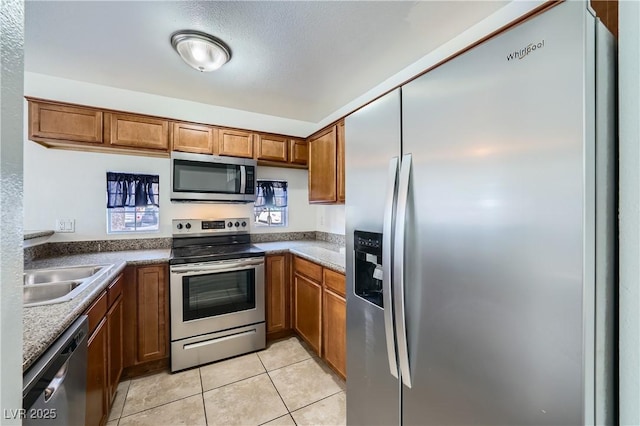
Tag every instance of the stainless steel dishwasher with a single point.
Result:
(54, 387)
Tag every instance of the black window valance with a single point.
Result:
(271, 193)
(132, 190)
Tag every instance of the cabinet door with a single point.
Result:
(115, 354)
(334, 326)
(194, 138)
(307, 311)
(235, 143)
(96, 396)
(272, 148)
(298, 152)
(322, 167)
(67, 123)
(137, 131)
(277, 283)
(152, 313)
(340, 162)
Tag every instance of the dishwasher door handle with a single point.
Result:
(57, 382)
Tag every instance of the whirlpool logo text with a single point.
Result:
(524, 52)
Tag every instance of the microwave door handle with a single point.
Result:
(243, 179)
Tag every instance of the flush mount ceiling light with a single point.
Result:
(199, 50)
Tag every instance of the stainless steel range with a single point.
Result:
(217, 292)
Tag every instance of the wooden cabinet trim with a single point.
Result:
(308, 269)
(298, 151)
(323, 166)
(271, 147)
(308, 311)
(136, 131)
(334, 326)
(277, 293)
(114, 291)
(239, 143)
(335, 282)
(97, 311)
(66, 122)
(195, 138)
(340, 162)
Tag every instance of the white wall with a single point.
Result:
(11, 88)
(331, 219)
(629, 292)
(60, 184)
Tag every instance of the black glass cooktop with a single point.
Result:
(210, 249)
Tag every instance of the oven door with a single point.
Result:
(216, 296)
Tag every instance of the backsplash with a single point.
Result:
(77, 247)
(330, 238)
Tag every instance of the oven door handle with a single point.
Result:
(194, 269)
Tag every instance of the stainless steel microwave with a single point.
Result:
(210, 178)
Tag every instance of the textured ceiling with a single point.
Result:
(300, 60)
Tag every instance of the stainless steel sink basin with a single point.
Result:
(39, 276)
(46, 292)
(56, 285)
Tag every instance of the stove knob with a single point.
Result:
(237, 224)
(229, 225)
(179, 226)
(244, 224)
(188, 226)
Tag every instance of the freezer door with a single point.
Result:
(495, 225)
(372, 138)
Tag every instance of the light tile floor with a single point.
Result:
(284, 384)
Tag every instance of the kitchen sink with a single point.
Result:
(56, 285)
(49, 291)
(39, 276)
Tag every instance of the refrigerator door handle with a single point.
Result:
(398, 270)
(387, 256)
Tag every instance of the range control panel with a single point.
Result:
(186, 227)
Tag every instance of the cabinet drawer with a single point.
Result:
(308, 269)
(115, 290)
(97, 311)
(335, 282)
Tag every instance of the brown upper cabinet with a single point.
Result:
(235, 143)
(196, 138)
(340, 165)
(272, 148)
(50, 122)
(136, 131)
(68, 126)
(326, 165)
(298, 151)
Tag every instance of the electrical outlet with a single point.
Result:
(65, 225)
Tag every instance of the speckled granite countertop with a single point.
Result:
(43, 324)
(329, 255)
(30, 235)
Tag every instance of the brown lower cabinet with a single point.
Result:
(277, 291)
(104, 360)
(320, 311)
(146, 319)
(308, 311)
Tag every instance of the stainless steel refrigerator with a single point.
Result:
(482, 200)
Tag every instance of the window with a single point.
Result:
(270, 208)
(132, 202)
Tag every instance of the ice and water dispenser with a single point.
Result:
(368, 266)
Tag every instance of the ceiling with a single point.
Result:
(293, 59)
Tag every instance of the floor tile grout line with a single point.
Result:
(204, 404)
(289, 365)
(314, 402)
(277, 391)
(231, 383)
(160, 405)
(125, 401)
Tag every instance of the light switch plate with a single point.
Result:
(65, 225)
